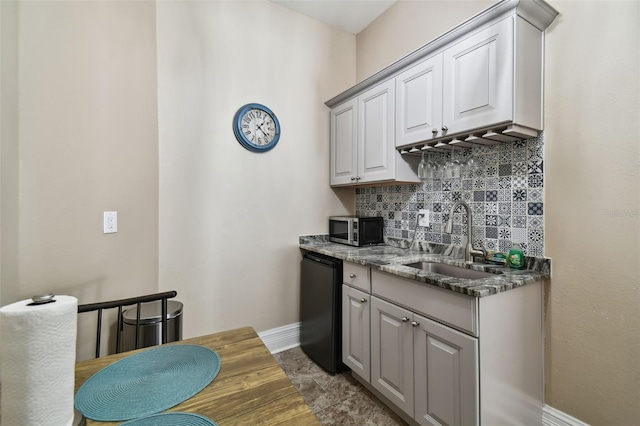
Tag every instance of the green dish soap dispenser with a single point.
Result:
(515, 259)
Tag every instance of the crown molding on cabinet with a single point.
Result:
(537, 12)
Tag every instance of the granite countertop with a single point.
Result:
(392, 258)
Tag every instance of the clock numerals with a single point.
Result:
(262, 125)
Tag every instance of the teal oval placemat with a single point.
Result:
(147, 383)
(172, 419)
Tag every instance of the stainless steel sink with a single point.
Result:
(450, 271)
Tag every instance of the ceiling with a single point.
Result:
(348, 15)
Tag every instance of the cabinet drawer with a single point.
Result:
(457, 310)
(356, 276)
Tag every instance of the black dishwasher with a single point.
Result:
(321, 311)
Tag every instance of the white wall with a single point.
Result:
(592, 200)
(79, 136)
(229, 218)
(82, 76)
(8, 149)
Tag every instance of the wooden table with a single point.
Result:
(251, 388)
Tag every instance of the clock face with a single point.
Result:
(256, 127)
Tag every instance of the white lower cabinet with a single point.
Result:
(356, 345)
(442, 358)
(446, 374)
(392, 353)
(426, 369)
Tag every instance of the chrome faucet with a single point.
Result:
(470, 250)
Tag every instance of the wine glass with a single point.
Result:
(432, 170)
(472, 165)
(422, 169)
(457, 165)
(452, 167)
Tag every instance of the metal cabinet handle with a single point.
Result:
(352, 275)
(445, 128)
(434, 130)
(415, 323)
(405, 319)
(353, 178)
(357, 177)
(363, 300)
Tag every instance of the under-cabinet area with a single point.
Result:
(442, 358)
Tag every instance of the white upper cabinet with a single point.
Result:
(478, 80)
(466, 87)
(344, 154)
(363, 146)
(376, 131)
(419, 102)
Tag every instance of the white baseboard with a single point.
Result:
(553, 417)
(281, 338)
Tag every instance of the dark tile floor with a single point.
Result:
(335, 400)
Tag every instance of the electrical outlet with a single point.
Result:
(423, 217)
(110, 222)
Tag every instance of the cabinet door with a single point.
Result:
(446, 375)
(478, 79)
(355, 331)
(392, 353)
(419, 102)
(344, 147)
(376, 132)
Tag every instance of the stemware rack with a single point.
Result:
(485, 137)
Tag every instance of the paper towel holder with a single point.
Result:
(42, 299)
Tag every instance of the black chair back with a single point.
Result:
(163, 297)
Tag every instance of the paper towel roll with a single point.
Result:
(38, 352)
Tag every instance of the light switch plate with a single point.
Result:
(110, 222)
(423, 217)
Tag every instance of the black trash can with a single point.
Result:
(151, 324)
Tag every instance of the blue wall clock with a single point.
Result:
(256, 127)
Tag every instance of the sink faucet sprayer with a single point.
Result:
(470, 250)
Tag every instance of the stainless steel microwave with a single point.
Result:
(356, 231)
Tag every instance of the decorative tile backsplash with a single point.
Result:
(505, 193)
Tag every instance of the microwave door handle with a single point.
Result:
(350, 237)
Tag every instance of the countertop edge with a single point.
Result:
(392, 260)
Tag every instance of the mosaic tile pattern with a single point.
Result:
(506, 195)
